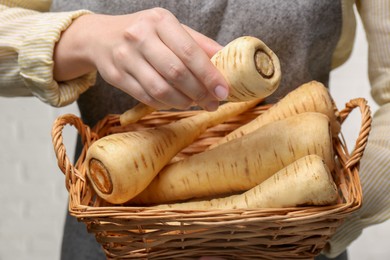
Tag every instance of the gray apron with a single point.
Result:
(302, 33)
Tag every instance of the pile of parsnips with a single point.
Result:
(282, 158)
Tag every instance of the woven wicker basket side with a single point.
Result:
(143, 233)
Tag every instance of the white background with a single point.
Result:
(32, 191)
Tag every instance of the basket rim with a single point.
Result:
(77, 183)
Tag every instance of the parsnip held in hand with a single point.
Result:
(309, 97)
(242, 163)
(307, 181)
(250, 67)
(121, 165)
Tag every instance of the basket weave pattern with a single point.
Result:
(142, 233)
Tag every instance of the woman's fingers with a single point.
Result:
(159, 39)
(208, 45)
(128, 84)
(158, 88)
(176, 38)
(178, 76)
(140, 80)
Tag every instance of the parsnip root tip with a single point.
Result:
(134, 114)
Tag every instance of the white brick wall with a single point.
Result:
(32, 192)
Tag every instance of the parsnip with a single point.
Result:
(309, 97)
(250, 67)
(134, 114)
(120, 166)
(307, 181)
(242, 163)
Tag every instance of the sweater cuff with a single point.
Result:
(36, 60)
(374, 175)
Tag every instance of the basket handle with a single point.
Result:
(64, 163)
(365, 128)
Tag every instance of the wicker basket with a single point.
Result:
(142, 233)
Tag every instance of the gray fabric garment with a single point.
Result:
(302, 33)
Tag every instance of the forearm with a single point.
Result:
(72, 57)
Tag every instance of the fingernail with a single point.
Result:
(212, 106)
(221, 92)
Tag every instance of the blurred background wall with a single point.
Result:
(33, 198)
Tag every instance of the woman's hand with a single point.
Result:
(148, 54)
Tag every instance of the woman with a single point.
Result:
(158, 52)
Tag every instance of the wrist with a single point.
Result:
(72, 58)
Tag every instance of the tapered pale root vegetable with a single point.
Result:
(309, 97)
(121, 165)
(242, 163)
(307, 181)
(134, 114)
(250, 67)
